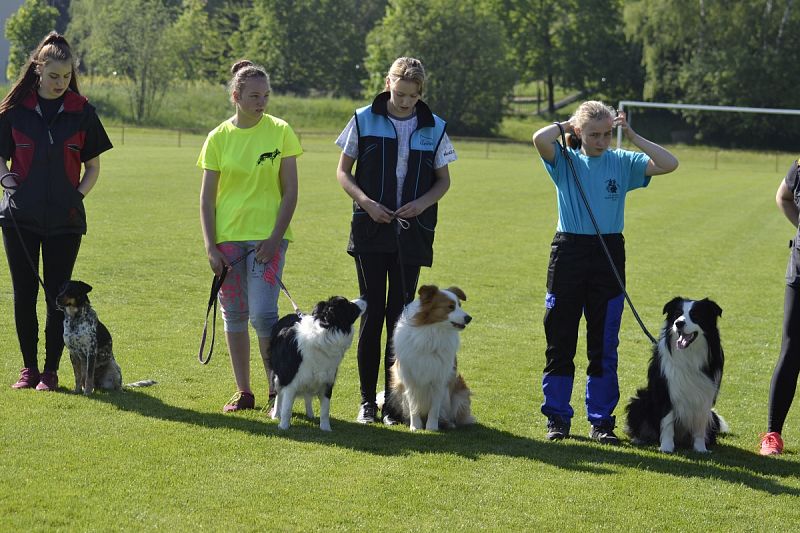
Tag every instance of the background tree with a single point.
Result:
(309, 45)
(24, 29)
(195, 44)
(127, 38)
(463, 49)
(721, 53)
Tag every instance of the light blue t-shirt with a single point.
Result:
(606, 179)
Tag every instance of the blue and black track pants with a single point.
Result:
(580, 282)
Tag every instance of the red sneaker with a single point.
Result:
(241, 400)
(28, 379)
(48, 381)
(771, 444)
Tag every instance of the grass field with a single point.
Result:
(167, 458)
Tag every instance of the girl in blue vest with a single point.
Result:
(402, 153)
(579, 278)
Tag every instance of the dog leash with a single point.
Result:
(563, 147)
(19, 235)
(401, 225)
(216, 285)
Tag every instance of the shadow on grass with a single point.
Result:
(726, 463)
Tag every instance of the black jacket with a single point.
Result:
(48, 158)
(376, 175)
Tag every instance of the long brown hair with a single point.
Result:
(241, 71)
(54, 47)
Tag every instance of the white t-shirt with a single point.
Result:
(348, 142)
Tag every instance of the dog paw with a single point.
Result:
(283, 426)
(325, 427)
(667, 448)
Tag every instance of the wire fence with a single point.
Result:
(705, 158)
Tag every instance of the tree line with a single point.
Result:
(476, 51)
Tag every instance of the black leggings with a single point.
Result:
(784, 379)
(373, 271)
(58, 254)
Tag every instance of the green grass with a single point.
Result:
(166, 458)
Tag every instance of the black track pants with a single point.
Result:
(58, 255)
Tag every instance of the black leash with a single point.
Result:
(563, 147)
(19, 233)
(216, 285)
(401, 225)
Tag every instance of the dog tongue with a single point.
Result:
(684, 340)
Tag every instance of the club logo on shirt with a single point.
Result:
(424, 140)
(611, 186)
(269, 155)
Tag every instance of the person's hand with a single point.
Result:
(266, 249)
(378, 212)
(621, 121)
(410, 210)
(217, 261)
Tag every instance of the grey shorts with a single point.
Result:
(251, 288)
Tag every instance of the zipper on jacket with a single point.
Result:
(50, 124)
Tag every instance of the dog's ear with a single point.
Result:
(426, 292)
(712, 305)
(458, 292)
(672, 304)
(85, 287)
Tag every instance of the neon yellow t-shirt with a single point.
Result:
(249, 190)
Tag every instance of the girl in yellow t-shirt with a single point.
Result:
(247, 200)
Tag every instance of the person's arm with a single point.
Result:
(208, 220)
(545, 138)
(344, 174)
(434, 194)
(91, 171)
(785, 200)
(9, 181)
(661, 160)
(266, 249)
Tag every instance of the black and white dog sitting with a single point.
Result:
(683, 381)
(89, 342)
(305, 352)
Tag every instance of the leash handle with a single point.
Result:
(599, 233)
(216, 285)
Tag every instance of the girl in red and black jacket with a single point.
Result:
(47, 132)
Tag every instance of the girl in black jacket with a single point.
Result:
(48, 132)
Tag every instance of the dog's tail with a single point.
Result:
(140, 383)
(720, 424)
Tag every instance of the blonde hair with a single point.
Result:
(408, 69)
(241, 71)
(591, 110)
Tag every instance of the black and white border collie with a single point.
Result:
(305, 352)
(683, 381)
(425, 384)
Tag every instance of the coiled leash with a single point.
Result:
(563, 147)
(216, 285)
(19, 233)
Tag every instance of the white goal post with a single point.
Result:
(701, 107)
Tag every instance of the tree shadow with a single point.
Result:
(728, 463)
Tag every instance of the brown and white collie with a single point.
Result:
(425, 384)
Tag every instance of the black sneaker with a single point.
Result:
(367, 414)
(557, 428)
(604, 434)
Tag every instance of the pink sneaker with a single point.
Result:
(771, 444)
(48, 381)
(28, 379)
(241, 400)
